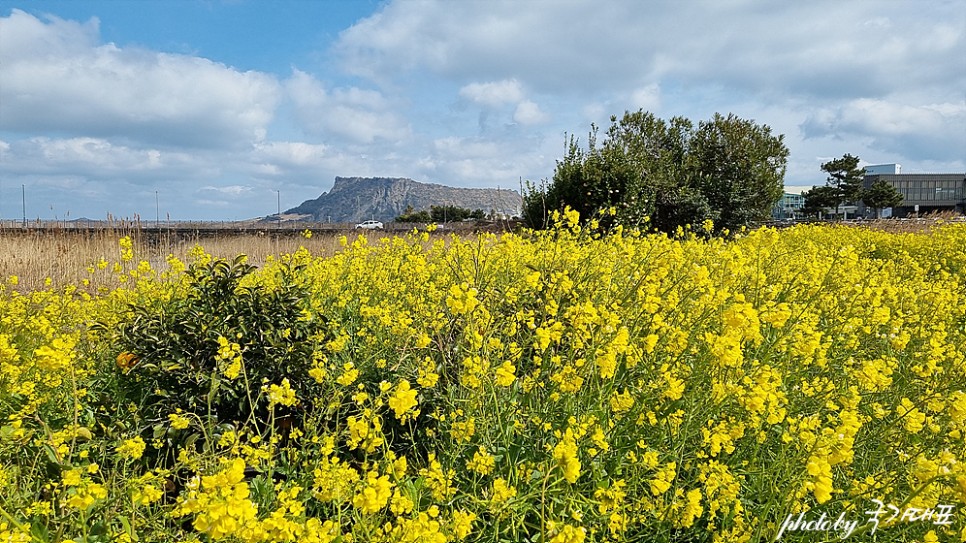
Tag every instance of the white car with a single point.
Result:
(370, 225)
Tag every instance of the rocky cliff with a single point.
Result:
(355, 199)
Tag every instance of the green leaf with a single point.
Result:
(213, 391)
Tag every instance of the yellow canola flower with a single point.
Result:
(566, 455)
(59, 355)
(403, 400)
(365, 431)
(374, 495)
(463, 524)
(570, 534)
(438, 479)
(820, 482)
(663, 479)
(482, 462)
(127, 248)
(86, 495)
(132, 448)
(505, 374)
(334, 480)
(229, 358)
(912, 418)
(179, 421)
(221, 504)
(349, 374)
(462, 299)
(281, 394)
(813, 348)
(502, 492)
(464, 430)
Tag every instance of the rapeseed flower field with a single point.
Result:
(559, 387)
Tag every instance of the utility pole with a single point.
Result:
(278, 209)
(23, 201)
(157, 211)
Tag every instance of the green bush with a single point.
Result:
(207, 348)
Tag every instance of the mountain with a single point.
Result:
(355, 199)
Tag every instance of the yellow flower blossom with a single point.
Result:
(132, 448)
(403, 400)
(482, 462)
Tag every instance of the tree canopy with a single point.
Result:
(820, 198)
(845, 184)
(668, 173)
(441, 214)
(845, 175)
(881, 195)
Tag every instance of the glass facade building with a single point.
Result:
(789, 207)
(930, 191)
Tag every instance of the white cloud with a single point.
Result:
(929, 131)
(362, 116)
(466, 148)
(884, 80)
(529, 113)
(57, 78)
(647, 98)
(482, 162)
(295, 153)
(821, 48)
(97, 157)
(232, 191)
(494, 93)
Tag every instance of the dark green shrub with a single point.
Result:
(183, 352)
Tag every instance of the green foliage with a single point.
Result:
(414, 216)
(881, 195)
(682, 207)
(845, 175)
(819, 198)
(588, 181)
(670, 173)
(441, 214)
(535, 212)
(739, 167)
(450, 213)
(183, 346)
(844, 184)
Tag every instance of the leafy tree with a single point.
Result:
(646, 159)
(586, 180)
(820, 198)
(182, 345)
(729, 170)
(684, 206)
(446, 213)
(442, 213)
(414, 216)
(739, 167)
(881, 195)
(845, 175)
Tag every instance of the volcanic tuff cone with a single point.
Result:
(355, 199)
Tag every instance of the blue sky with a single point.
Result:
(214, 105)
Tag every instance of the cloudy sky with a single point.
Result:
(209, 107)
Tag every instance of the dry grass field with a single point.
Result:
(40, 259)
